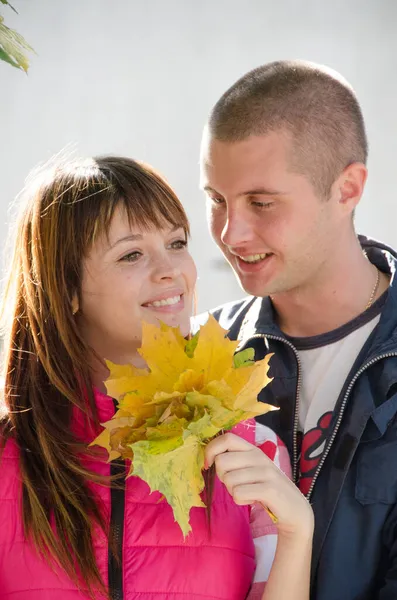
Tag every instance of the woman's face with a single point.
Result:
(130, 276)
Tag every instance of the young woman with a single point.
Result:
(101, 245)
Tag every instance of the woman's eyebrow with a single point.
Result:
(132, 237)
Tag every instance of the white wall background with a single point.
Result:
(137, 77)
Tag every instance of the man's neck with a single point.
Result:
(338, 294)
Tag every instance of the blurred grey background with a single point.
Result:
(139, 77)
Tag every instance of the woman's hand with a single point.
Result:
(250, 476)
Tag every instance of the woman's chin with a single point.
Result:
(176, 321)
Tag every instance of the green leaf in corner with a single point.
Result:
(10, 5)
(13, 47)
(245, 358)
(4, 56)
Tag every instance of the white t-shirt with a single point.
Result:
(326, 361)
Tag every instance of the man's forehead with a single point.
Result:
(248, 162)
(275, 142)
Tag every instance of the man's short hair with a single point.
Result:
(310, 102)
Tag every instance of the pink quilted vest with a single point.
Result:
(156, 562)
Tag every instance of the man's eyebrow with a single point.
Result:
(259, 191)
(208, 188)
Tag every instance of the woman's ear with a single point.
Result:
(75, 304)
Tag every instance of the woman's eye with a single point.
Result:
(179, 244)
(131, 257)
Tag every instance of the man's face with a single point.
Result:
(269, 222)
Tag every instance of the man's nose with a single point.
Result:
(237, 230)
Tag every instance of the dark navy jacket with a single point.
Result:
(355, 491)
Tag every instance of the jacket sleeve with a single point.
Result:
(264, 531)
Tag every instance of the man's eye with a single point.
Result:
(262, 205)
(216, 200)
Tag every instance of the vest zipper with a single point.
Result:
(115, 561)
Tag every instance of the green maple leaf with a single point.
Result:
(245, 358)
(192, 344)
(173, 467)
(203, 428)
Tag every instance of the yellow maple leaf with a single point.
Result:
(120, 376)
(164, 354)
(103, 440)
(246, 398)
(189, 380)
(214, 352)
(192, 390)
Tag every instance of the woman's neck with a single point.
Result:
(100, 372)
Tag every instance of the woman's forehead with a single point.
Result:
(123, 229)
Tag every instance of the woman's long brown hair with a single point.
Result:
(46, 374)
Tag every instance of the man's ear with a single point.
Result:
(349, 186)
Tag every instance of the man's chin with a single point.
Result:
(255, 288)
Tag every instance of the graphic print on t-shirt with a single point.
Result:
(313, 445)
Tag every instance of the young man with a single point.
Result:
(283, 167)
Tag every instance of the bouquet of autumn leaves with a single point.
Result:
(192, 390)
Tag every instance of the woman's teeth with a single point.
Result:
(253, 258)
(165, 302)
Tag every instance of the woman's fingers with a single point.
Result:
(246, 494)
(225, 443)
(232, 461)
(250, 476)
(229, 452)
(232, 479)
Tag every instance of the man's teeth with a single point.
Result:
(165, 302)
(253, 258)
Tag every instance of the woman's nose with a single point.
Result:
(165, 268)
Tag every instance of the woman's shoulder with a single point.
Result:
(8, 450)
(9, 468)
(10, 480)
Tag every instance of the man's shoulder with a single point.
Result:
(229, 315)
(229, 312)
(377, 247)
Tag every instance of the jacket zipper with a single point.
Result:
(341, 412)
(297, 403)
(115, 559)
